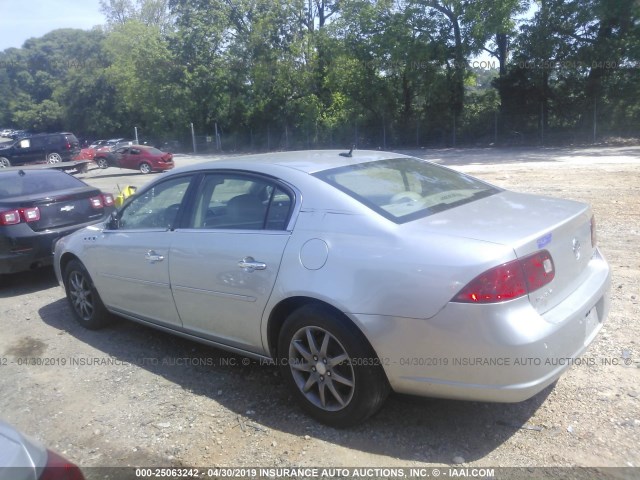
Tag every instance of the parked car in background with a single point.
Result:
(358, 273)
(113, 143)
(23, 458)
(97, 144)
(37, 207)
(16, 134)
(136, 157)
(39, 148)
(6, 132)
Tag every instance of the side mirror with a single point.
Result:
(114, 222)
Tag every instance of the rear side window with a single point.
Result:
(241, 202)
(32, 182)
(404, 189)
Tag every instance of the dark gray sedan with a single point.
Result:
(358, 274)
(38, 206)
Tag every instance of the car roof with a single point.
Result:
(308, 161)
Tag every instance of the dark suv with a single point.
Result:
(39, 148)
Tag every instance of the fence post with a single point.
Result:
(217, 138)
(384, 134)
(193, 139)
(454, 128)
(595, 118)
(542, 123)
(356, 128)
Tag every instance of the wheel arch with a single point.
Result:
(64, 261)
(284, 308)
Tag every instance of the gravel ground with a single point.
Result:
(133, 396)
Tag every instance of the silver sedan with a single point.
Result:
(357, 274)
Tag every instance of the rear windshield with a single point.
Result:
(31, 182)
(404, 189)
(154, 151)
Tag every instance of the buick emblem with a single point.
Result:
(576, 248)
(68, 208)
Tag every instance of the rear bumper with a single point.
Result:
(500, 353)
(162, 166)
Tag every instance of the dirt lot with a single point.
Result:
(135, 396)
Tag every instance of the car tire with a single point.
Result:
(347, 383)
(4, 162)
(102, 162)
(83, 297)
(54, 157)
(145, 168)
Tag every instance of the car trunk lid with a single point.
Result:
(61, 208)
(527, 224)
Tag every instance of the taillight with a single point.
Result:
(30, 214)
(58, 468)
(107, 199)
(509, 280)
(101, 201)
(594, 237)
(96, 202)
(10, 217)
(13, 217)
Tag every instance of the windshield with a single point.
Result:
(404, 189)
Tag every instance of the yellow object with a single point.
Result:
(127, 191)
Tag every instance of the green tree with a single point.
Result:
(146, 77)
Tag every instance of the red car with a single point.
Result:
(136, 157)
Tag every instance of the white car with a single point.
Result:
(357, 273)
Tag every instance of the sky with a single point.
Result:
(23, 19)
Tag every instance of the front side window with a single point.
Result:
(241, 202)
(156, 207)
(404, 189)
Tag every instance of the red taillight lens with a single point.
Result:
(496, 285)
(96, 202)
(13, 217)
(107, 199)
(58, 468)
(101, 201)
(594, 237)
(510, 280)
(30, 214)
(10, 217)
(538, 270)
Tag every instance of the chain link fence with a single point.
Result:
(491, 129)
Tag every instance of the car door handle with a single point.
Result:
(153, 257)
(249, 264)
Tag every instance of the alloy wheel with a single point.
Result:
(81, 295)
(321, 368)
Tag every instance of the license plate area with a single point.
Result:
(591, 323)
